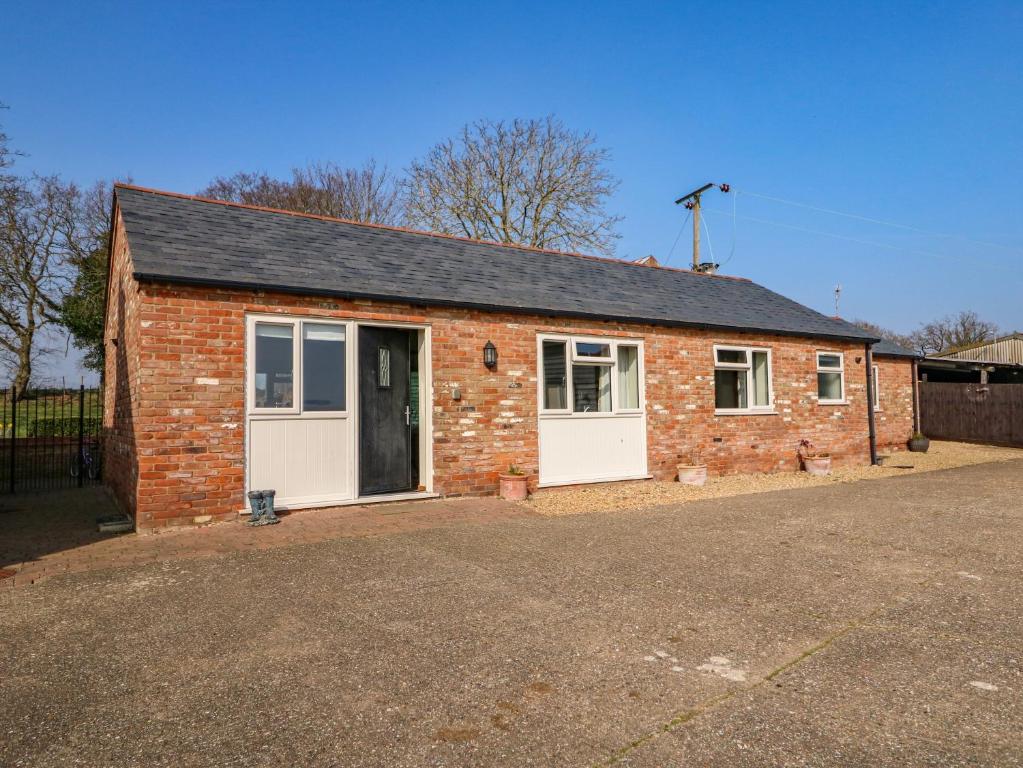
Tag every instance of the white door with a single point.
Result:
(592, 421)
(299, 431)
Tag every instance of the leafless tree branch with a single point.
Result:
(529, 182)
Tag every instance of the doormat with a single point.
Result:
(6, 573)
(115, 524)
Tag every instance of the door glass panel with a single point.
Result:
(730, 389)
(592, 385)
(323, 367)
(761, 379)
(554, 385)
(274, 366)
(383, 367)
(628, 376)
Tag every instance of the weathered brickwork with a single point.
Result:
(121, 401)
(182, 385)
(894, 419)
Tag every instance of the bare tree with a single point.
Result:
(361, 194)
(952, 331)
(7, 154)
(529, 182)
(903, 340)
(39, 227)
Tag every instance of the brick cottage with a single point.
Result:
(339, 363)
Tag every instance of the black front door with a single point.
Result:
(385, 430)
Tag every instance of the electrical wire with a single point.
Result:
(735, 197)
(710, 245)
(872, 243)
(680, 231)
(882, 222)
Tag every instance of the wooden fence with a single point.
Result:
(976, 413)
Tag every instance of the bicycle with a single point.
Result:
(88, 460)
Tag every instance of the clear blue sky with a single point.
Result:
(906, 112)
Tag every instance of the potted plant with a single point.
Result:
(815, 462)
(694, 472)
(514, 484)
(919, 443)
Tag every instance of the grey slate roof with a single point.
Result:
(887, 348)
(177, 239)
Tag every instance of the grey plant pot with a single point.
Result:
(919, 444)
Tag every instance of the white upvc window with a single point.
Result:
(830, 378)
(581, 375)
(876, 387)
(742, 380)
(297, 366)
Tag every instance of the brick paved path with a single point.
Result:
(46, 534)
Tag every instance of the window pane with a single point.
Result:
(274, 366)
(383, 367)
(592, 385)
(732, 356)
(875, 386)
(761, 380)
(730, 389)
(829, 386)
(829, 361)
(555, 395)
(323, 367)
(592, 349)
(628, 376)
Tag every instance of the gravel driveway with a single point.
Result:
(873, 623)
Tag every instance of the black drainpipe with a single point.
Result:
(870, 405)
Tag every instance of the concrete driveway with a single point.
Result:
(876, 623)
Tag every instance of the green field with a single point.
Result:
(50, 413)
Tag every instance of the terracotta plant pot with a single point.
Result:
(919, 444)
(692, 474)
(817, 465)
(514, 487)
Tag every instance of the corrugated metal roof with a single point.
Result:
(1007, 350)
(183, 239)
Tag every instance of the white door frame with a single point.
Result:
(425, 361)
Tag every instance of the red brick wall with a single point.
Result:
(187, 419)
(894, 420)
(121, 396)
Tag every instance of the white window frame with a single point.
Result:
(298, 394)
(748, 367)
(609, 362)
(591, 359)
(841, 376)
(876, 381)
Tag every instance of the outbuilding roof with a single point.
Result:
(184, 239)
(887, 348)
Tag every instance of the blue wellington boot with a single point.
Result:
(268, 506)
(256, 504)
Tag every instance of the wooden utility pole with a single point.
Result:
(692, 202)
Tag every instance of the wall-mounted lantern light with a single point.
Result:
(490, 355)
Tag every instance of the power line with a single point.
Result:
(882, 222)
(679, 235)
(735, 198)
(706, 228)
(857, 240)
